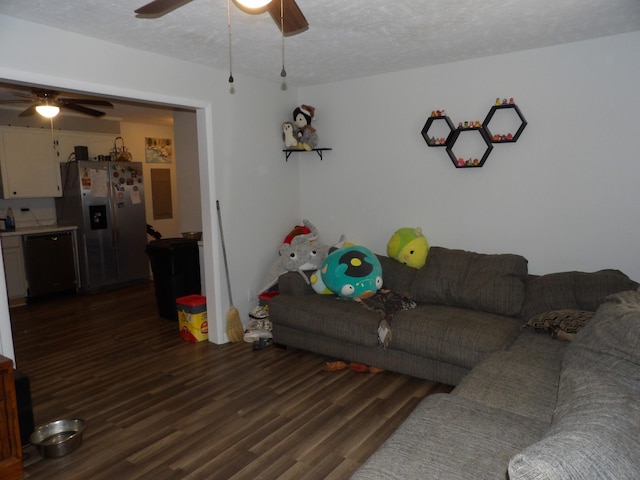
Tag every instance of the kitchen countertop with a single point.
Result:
(37, 230)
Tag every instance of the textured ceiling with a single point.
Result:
(346, 38)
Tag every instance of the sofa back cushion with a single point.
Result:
(596, 439)
(396, 276)
(615, 329)
(492, 283)
(595, 432)
(572, 290)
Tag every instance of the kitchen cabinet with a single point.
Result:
(30, 158)
(14, 266)
(28, 163)
(96, 143)
(10, 443)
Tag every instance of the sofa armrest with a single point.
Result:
(292, 283)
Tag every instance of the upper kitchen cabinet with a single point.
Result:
(97, 144)
(28, 163)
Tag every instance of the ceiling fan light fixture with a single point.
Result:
(252, 6)
(48, 111)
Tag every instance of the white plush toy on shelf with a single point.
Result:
(288, 135)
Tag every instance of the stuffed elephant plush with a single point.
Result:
(301, 255)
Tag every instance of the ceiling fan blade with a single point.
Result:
(76, 101)
(293, 18)
(28, 112)
(81, 109)
(158, 8)
(25, 95)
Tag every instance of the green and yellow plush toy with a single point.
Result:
(408, 246)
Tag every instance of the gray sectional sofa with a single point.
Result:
(526, 405)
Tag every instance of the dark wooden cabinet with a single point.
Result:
(10, 443)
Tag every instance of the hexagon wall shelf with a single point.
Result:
(460, 162)
(453, 133)
(511, 109)
(442, 124)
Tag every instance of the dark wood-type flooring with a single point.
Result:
(159, 407)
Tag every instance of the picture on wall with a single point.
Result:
(158, 150)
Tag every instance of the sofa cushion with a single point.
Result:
(615, 329)
(516, 382)
(450, 334)
(595, 431)
(606, 349)
(292, 283)
(575, 290)
(540, 349)
(448, 437)
(396, 276)
(457, 278)
(337, 318)
(595, 434)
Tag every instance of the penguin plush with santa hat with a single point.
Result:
(305, 133)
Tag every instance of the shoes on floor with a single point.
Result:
(257, 329)
(356, 367)
(259, 312)
(262, 343)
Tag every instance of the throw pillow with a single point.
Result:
(560, 324)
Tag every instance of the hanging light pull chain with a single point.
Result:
(229, 30)
(283, 73)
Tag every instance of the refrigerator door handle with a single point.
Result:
(114, 217)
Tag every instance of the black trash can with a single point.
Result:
(175, 263)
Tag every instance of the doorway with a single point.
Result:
(193, 122)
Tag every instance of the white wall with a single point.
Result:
(134, 135)
(187, 174)
(238, 142)
(563, 195)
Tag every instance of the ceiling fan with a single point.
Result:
(290, 21)
(52, 103)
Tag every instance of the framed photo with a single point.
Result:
(158, 150)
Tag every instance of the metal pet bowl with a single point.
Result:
(192, 235)
(59, 438)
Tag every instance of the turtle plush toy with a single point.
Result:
(408, 246)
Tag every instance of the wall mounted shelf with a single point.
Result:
(289, 151)
(455, 135)
(444, 126)
(446, 135)
(511, 109)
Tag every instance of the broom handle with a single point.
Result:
(224, 252)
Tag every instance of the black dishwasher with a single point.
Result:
(50, 264)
